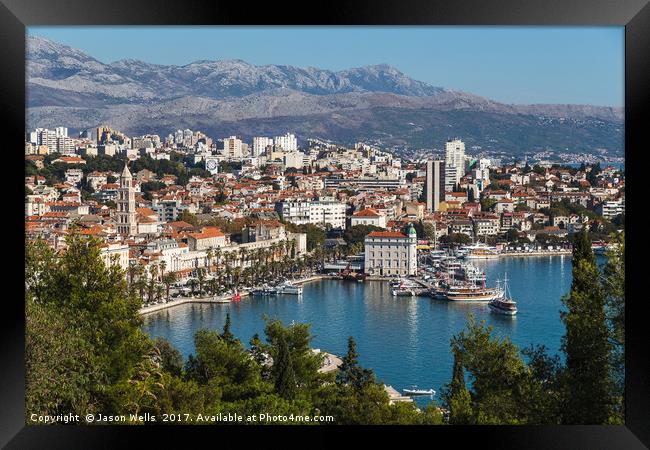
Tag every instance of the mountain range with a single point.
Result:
(380, 104)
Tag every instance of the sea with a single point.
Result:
(404, 340)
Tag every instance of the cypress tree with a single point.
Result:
(457, 397)
(285, 377)
(587, 397)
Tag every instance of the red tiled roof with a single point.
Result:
(387, 234)
(368, 212)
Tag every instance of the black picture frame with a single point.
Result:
(15, 15)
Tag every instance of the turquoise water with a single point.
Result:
(406, 341)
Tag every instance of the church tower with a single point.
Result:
(126, 223)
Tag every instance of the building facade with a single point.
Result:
(391, 253)
(455, 156)
(435, 185)
(126, 219)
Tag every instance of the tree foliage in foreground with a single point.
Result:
(85, 353)
(504, 388)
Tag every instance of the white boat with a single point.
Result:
(415, 391)
(403, 292)
(468, 292)
(289, 288)
(504, 304)
(480, 251)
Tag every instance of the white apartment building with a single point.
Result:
(455, 156)
(612, 208)
(232, 147)
(294, 159)
(322, 212)
(486, 227)
(168, 210)
(259, 145)
(74, 176)
(391, 253)
(288, 143)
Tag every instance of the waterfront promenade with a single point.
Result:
(213, 299)
(538, 253)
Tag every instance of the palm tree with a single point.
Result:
(159, 292)
(243, 255)
(192, 284)
(153, 272)
(168, 279)
(209, 255)
(201, 277)
(163, 266)
(236, 275)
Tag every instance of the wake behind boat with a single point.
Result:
(415, 391)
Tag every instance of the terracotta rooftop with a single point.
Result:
(387, 234)
(368, 212)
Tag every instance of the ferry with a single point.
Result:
(479, 251)
(504, 304)
(468, 292)
(415, 391)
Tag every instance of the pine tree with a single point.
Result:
(285, 377)
(587, 378)
(227, 335)
(350, 373)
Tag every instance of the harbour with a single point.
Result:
(404, 339)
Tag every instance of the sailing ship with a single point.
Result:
(504, 304)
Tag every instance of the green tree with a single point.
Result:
(188, 217)
(588, 384)
(283, 374)
(170, 358)
(89, 305)
(227, 335)
(457, 397)
(614, 287)
(350, 373)
(357, 234)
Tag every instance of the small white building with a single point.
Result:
(368, 216)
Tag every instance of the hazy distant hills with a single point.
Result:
(67, 87)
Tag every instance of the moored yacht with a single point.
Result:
(289, 288)
(467, 292)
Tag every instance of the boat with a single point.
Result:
(467, 292)
(236, 296)
(479, 251)
(416, 391)
(265, 290)
(403, 292)
(289, 288)
(504, 304)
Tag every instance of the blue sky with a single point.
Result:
(580, 65)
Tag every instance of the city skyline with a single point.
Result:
(519, 65)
